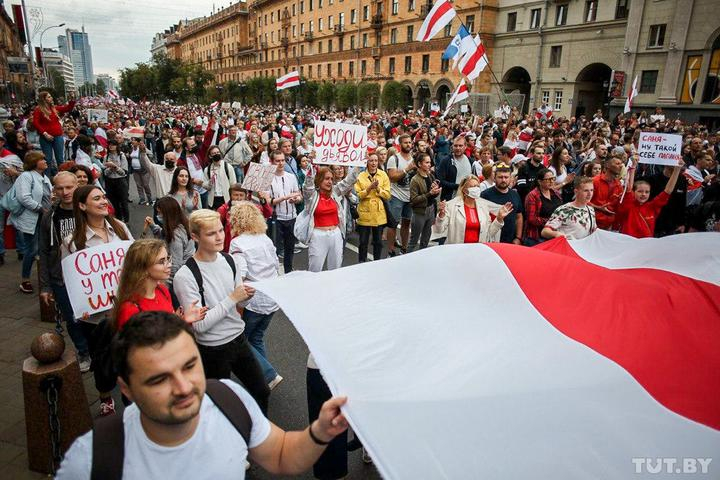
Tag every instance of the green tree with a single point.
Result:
(326, 94)
(393, 95)
(368, 94)
(165, 70)
(346, 95)
(310, 93)
(101, 87)
(57, 81)
(198, 78)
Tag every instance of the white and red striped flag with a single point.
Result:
(588, 359)
(215, 104)
(633, 94)
(474, 61)
(291, 79)
(460, 93)
(524, 139)
(440, 15)
(113, 94)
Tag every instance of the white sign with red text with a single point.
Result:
(340, 144)
(92, 276)
(660, 148)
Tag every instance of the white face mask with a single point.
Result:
(473, 192)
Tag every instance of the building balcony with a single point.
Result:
(376, 21)
(376, 52)
(339, 30)
(285, 41)
(263, 44)
(309, 36)
(425, 9)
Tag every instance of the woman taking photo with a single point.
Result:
(174, 230)
(466, 218)
(372, 187)
(424, 190)
(46, 120)
(95, 226)
(184, 194)
(540, 203)
(324, 203)
(32, 189)
(255, 248)
(116, 184)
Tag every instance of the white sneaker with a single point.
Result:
(275, 381)
(84, 363)
(301, 245)
(247, 465)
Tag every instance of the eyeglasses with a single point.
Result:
(164, 261)
(549, 178)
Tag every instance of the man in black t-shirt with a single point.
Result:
(706, 218)
(501, 193)
(671, 219)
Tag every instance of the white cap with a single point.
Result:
(518, 158)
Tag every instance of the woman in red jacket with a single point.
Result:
(46, 120)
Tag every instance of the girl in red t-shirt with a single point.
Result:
(142, 287)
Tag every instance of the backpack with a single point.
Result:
(108, 448)
(195, 270)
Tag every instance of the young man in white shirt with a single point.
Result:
(140, 175)
(174, 430)
(221, 334)
(284, 193)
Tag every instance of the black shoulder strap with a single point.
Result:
(227, 173)
(108, 454)
(195, 270)
(231, 406)
(231, 262)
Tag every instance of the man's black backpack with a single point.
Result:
(109, 433)
(195, 270)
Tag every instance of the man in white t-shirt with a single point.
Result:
(174, 429)
(574, 220)
(400, 168)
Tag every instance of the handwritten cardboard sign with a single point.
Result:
(340, 144)
(660, 148)
(92, 277)
(258, 177)
(97, 115)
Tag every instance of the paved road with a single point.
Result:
(20, 323)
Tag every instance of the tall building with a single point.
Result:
(54, 60)
(16, 82)
(110, 83)
(76, 45)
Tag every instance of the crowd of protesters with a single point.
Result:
(521, 179)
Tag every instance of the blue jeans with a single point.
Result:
(62, 301)
(239, 173)
(255, 326)
(30, 249)
(56, 146)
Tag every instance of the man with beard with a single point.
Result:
(501, 193)
(176, 413)
(400, 168)
(607, 192)
(528, 172)
(452, 171)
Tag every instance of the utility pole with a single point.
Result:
(30, 48)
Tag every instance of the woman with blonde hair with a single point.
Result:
(253, 247)
(46, 120)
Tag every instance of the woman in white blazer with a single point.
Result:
(466, 218)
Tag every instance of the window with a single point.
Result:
(302, 28)
(294, 31)
(395, 6)
(352, 42)
(393, 36)
(377, 66)
(330, 46)
(293, 9)
(558, 100)
(320, 24)
(512, 21)
(320, 3)
(366, 13)
(311, 27)
(648, 80)
(341, 46)
(408, 64)
(561, 14)
(692, 74)
(535, 18)
(448, 29)
(622, 9)
(470, 23)
(302, 51)
(341, 19)
(329, 70)
(272, 17)
(310, 5)
(365, 40)
(351, 68)
(319, 47)
(353, 16)
(657, 36)
(425, 63)
(411, 5)
(444, 65)
(363, 68)
(546, 96)
(591, 10)
(302, 6)
(410, 29)
(391, 66)
(555, 56)
(330, 22)
(319, 70)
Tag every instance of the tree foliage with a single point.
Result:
(346, 95)
(393, 95)
(326, 94)
(101, 87)
(368, 95)
(164, 78)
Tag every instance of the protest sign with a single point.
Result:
(92, 276)
(225, 105)
(340, 144)
(97, 115)
(258, 177)
(236, 105)
(660, 148)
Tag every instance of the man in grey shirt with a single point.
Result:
(400, 168)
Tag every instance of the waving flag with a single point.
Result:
(587, 358)
(460, 43)
(474, 61)
(460, 93)
(633, 94)
(440, 15)
(113, 94)
(215, 104)
(288, 80)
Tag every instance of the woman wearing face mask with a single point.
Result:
(116, 185)
(466, 218)
(173, 228)
(424, 189)
(180, 189)
(219, 175)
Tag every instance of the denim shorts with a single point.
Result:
(400, 209)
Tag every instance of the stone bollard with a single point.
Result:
(56, 409)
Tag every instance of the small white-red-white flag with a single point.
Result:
(474, 62)
(633, 94)
(460, 93)
(440, 15)
(215, 104)
(113, 94)
(288, 80)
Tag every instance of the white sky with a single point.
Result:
(120, 31)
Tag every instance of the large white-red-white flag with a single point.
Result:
(291, 79)
(460, 93)
(474, 61)
(440, 15)
(633, 94)
(592, 358)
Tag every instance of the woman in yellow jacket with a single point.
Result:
(372, 187)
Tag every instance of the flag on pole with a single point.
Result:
(633, 94)
(440, 15)
(113, 94)
(288, 80)
(460, 93)
(215, 104)
(474, 61)
(461, 42)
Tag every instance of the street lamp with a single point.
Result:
(41, 48)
